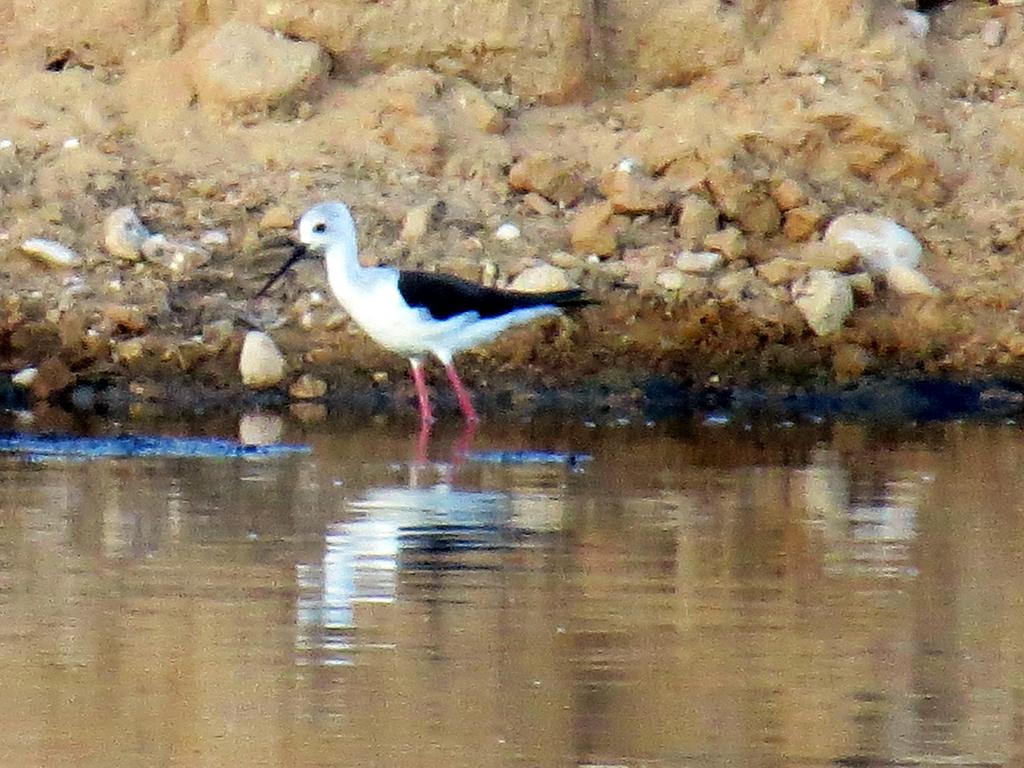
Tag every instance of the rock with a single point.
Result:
(261, 362)
(788, 194)
(782, 270)
(124, 234)
(50, 252)
(307, 387)
(631, 192)
(128, 351)
(762, 218)
(699, 262)
(729, 242)
(177, 257)
(125, 318)
(244, 70)
(539, 204)
(215, 238)
(24, 378)
(803, 222)
(907, 281)
(277, 217)
(733, 193)
(554, 178)
(566, 260)
(880, 241)
(53, 376)
(863, 287)
(671, 279)
(478, 109)
(993, 32)
(260, 428)
(839, 257)
(591, 230)
(917, 23)
(697, 219)
(825, 300)
(416, 223)
(507, 232)
(540, 278)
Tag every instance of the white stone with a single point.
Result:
(24, 378)
(416, 223)
(6, 144)
(124, 235)
(993, 32)
(825, 299)
(506, 232)
(699, 262)
(50, 252)
(260, 428)
(214, 238)
(72, 143)
(626, 165)
(671, 279)
(543, 277)
(908, 281)
(261, 362)
(881, 243)
(917, 22)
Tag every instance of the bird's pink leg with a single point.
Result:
(426, 417)
(465, 403)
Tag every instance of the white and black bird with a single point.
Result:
(413, 313)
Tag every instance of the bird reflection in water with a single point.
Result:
(395, 532)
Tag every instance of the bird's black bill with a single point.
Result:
(299, 252)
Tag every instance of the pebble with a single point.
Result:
(72, 143)
(671, 279)
(261, 363)
(993, 32)
(124, 234)
(479, 109)
(50, 252)
(592, 231)
(554, 178)
(885, 248)
(24, 378)
(907, 281)
(260, 429)
(507, 232)
(918, 23)
(6, 144)
(214, 238)
(178, 257)
(788, 194)
(308, 387)
(825, 299)
(52, 376)
(699, 262)
(802, 222)
(540, 278)
(730, 242)
(880, 241)
(697, 219)
(416, 223)
(631, 192)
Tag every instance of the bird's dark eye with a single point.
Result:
(320, 228)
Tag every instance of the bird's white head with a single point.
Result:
(326, 225)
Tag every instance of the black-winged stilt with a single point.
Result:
(416, 313)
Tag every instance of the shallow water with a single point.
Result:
(693, 595)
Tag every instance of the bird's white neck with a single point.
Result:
(342, 262)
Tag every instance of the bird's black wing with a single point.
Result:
(445, 296)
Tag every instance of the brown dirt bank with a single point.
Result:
(625, 141)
